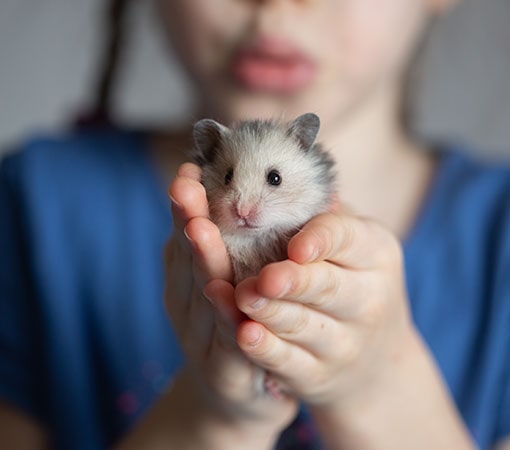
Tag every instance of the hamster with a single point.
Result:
(264, 180)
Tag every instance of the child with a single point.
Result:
(389, 322)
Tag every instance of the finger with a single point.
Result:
(265, 349)
(197, 321)
(193, 321)
(346, 240)
(292, 322)
(200, 321)
(210, 256)
(190, 212)
(222, 295)
(190, 170)
(228, 371)
(188, 195)
(236, 377)
(227, 368)
(178, 277)
(322, 286)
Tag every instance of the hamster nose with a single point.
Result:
(245, 211)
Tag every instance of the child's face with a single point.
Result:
(264, 58)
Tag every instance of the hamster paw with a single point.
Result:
(273, 388)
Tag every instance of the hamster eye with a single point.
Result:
(228, 176)
(274, 178)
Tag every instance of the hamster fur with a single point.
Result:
(264, 180)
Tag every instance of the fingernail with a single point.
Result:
(207, 297)
(255, 338)
(174, 201)
(191, 241)
(286, 289)
(314, 254)
(259, 303)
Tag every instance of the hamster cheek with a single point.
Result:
(221, 214)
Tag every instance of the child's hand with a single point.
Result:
(221, 373)
(332, 320)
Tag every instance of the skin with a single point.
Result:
(343, 283)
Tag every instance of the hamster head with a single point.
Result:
(263, 176)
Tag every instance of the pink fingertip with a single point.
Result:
(302, 248)
(255, 337)
(314, 255)
(309, 255)
(252, 334)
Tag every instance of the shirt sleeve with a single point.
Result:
(503, 428)
(20, 356)
(503, 295)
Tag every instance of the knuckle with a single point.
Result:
(329, 242)
(300, 283)
(331, 289)
(300, 323)
(374, 306)
(346, 351)
(270, 313)
(322, 374)
(333, 283)
(348, 232)
(389, 250)
(350, 351)
(373, 312)
(321, 301)
(273, 358)
(322, 235)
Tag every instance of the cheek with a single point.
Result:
(220, 209)
(372, 39)
(287, 207)
(201, 32)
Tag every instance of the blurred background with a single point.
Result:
(50, 52)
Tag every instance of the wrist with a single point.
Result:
(407, 406)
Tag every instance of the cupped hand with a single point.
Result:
(194, 256)
(332, 321)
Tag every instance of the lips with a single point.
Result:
(273, 65)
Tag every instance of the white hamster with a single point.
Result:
(264, 180)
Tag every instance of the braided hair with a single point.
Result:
(114, 22)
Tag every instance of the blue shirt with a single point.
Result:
(85, 343)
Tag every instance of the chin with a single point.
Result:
(231, 104)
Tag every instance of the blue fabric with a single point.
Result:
(85, 343)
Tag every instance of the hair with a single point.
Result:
(114, 24)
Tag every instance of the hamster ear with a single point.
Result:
(207, 134)
(305, 128)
